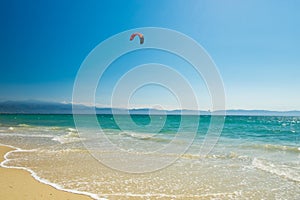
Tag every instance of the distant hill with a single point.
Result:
(261, 113)
(41, 107)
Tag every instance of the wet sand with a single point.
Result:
(19, 184)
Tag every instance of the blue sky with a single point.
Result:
(255, 44)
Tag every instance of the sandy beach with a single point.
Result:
(19, 184)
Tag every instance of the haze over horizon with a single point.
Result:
(254, 44)
(43, 107)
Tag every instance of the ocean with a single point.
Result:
(255, 157)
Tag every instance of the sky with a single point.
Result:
(254, 44)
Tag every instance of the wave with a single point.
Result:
(62, 151)
(273, 147)
(229, 156)
(25, 135)
(7, 129)
(227, 195)
(65, 139)
(72, 130)
(24, 125)
(56, 128)
(143, 136)
(60, 134)
(71, 136)
(42, 180)
(24, 128)
(286, 171)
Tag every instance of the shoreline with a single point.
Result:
(21, 183)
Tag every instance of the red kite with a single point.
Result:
(141, 36)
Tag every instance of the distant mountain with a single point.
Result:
(41, 107)
(261, 113)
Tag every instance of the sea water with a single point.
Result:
(256, 157)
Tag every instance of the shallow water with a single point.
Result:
(255, 157)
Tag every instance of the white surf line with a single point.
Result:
(237, 193)
(95, 196)
(39, 179)
(25, 135)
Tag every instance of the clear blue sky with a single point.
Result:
(255, 44)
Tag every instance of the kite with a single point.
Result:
(141, 36)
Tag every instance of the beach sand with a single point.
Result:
(19, 184)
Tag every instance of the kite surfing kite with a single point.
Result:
(141, 36)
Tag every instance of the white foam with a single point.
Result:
(72, 130)
(280, 170)
(26, 135)
(23, 125)
(137, 135)
(70, 137)
(35, 176)
(181, 196)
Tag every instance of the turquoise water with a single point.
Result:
(256, 157)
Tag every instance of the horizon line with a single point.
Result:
(99, 106)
